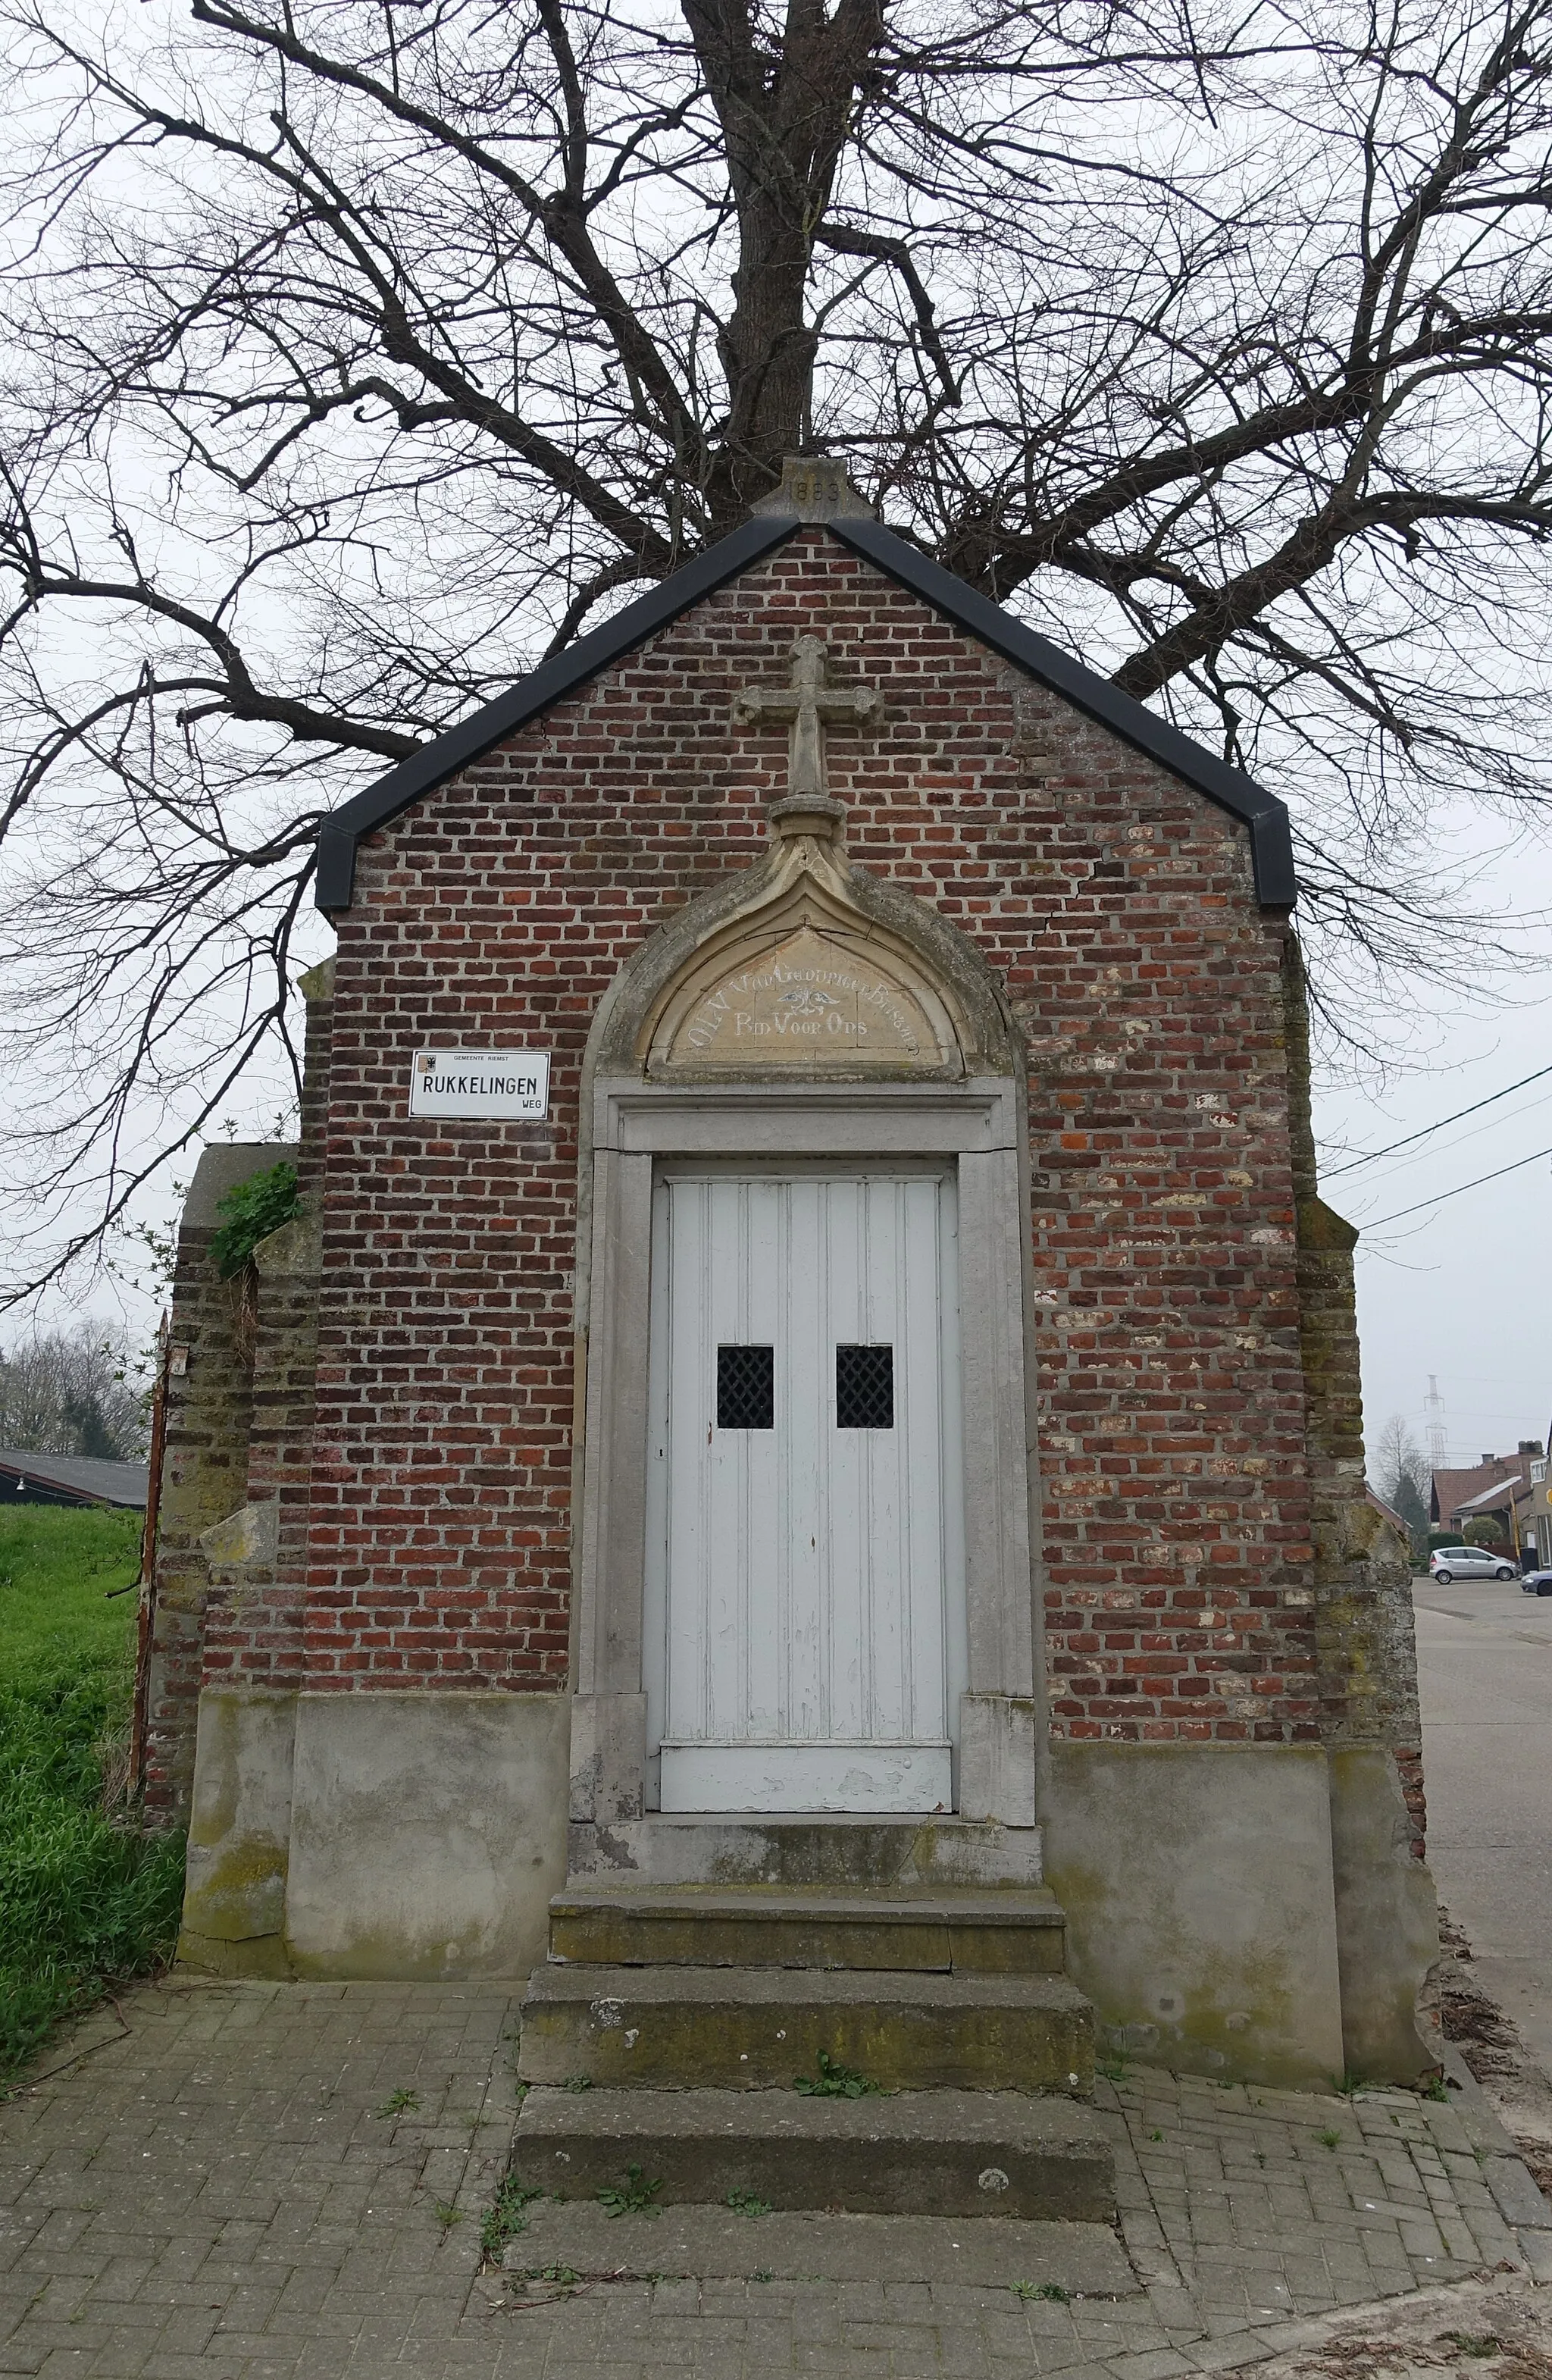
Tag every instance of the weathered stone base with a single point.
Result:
(1252, 1912)
(1388, 1925)
(413, 1836)
(1249, 1912)
(240, 1826)
(259, 1959)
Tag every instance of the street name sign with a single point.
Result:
(498, 1084)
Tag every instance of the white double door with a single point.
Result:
(805, 1615)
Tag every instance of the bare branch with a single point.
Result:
(361, 355)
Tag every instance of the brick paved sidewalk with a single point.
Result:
(267, 2181)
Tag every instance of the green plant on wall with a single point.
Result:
(249, 1212)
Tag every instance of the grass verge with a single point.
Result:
(85, 1900)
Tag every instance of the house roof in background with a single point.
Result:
(1388, 1510)
(84, 1478)
(1453, 1489)
(1493, 1500)
(1271, 839)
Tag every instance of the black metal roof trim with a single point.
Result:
(334, 885)
(87, 1478)
(1271, 842)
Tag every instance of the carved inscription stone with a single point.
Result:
(807, 1001)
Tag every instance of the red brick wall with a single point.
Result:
(1118, 907)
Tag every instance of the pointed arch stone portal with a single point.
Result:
(804, 1150)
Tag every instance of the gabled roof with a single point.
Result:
(1452, 1490)
(1271, 847)
(1388, 1510)
(1494, 1499)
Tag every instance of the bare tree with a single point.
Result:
(1401, 1474)
(369, 348)
(66, 1392)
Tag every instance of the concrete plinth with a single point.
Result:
(398, 1835)
(1201, 1907)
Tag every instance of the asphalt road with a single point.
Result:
(1484, 1666)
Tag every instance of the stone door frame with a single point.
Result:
(980, 1122)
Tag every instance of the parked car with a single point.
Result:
(1537, 1581)
(1468, 1562)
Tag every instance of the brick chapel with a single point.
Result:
(806, 1428)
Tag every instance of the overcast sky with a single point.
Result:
(1457, 1289)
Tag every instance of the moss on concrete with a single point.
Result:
(1197, 1880)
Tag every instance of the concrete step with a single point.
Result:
(756, 2028)
(809, 2244)
(836, 1852)
(1007, 1933)
(963, 2153)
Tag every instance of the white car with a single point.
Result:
(1468, 1562)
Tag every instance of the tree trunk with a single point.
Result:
(785, 116)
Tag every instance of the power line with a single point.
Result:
(1330, 1172)
(1440, 1196)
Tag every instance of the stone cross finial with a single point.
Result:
(810, 706)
